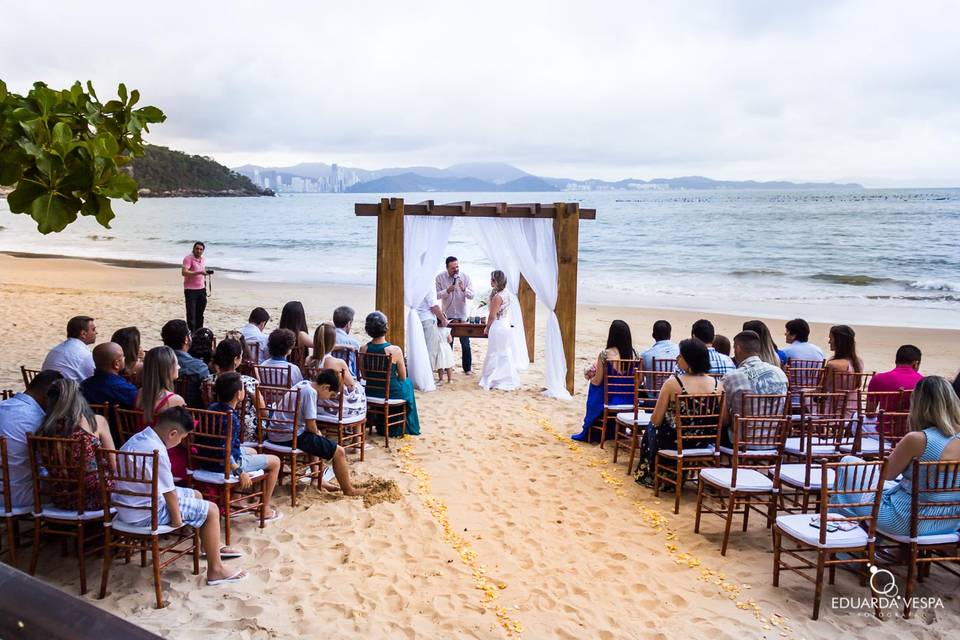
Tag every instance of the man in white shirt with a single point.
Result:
(796, 333)
(252, 332)
(453, 291)
(177, 506)
(431, 316)
(343, 322)
(71, 357)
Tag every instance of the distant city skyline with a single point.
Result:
(847, 91)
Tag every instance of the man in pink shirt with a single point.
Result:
(194, 286)
(904, 376)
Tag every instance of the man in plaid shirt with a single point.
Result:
(753, 376)
(719, 363)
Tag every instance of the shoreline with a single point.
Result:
(126, 263)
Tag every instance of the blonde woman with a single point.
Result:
(354, 398)
(499, 369)
(934, 435)
(160, 369)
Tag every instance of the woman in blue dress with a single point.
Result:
(619, 347)
(400, 385)
(935, 435)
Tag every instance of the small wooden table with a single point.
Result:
(466, 330)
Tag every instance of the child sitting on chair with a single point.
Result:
(179, 506)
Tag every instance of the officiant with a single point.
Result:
(453, 290)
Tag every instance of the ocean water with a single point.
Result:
(861, 256)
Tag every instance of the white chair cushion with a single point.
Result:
(17, 511)
(793, 446)
(867, 445)
(793, 474)
(272, 446)
(760, 453)
(747, 479)
(329, 419)
(119, 525)
(643, 418)
(618, 407)
(49, 511)
(943, 538)
(216, 477)
(379, 401)
(797, 525)
(689, 453)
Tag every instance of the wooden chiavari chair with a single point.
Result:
(136, 478)
(62, 482)
(188, 387)
(350, 431)
(803, 375)
(274, 376)
(935, 486)
(662, 369)
(820, 443)
(853, 384)
(835, 534)
(812, 405)
(377, 369)
(209, 462)
(277, 422)
(28, 375)
(879, 433)
(619, 393)
(128, 422)
(348, 354)
(298, 356)
(11, 515)
(697, 420)
(6, 394)
(745, 484)
(629, 425)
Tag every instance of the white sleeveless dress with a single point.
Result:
(499, 368)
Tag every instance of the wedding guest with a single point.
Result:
(400, 385)
(279, 345)
(201, 345)
(454, 289)
(843, 342)
(768, 348)
(905, 375)
(21, 415)
(796, 333)
(934, 436)
(703, 331)
(194, 271)
(753, 375)
(160, 369)
(343, 321)
(226, 359)
(661, 433)
(294, 318)
(253, 331)
(662, 347)
(956, 385)
(722, 344)
(354, 398)
(69, 416)
(71, 357)
(179, 505)
(431, 317)
(129, 340)
(619, 347)
(176, 335)
(106, 384)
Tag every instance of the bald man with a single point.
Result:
(106, 384)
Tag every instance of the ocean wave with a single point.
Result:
(854, 280)
(741, 273)
(99, 237)
(934, 298)
(935, 285)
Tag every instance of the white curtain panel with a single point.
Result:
(496, 247)
(424, 243)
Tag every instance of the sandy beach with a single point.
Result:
(502, 523)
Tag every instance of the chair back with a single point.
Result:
(662, 368)
(804, 374)
(102, 409)
(818, 404)
(376, 369)
(210, 441)
(65, 461)
(348, 354)
(887, 401)
(620, 381)
(857, 484)
(188, 388)
(28, 375)
(135, 476)
(7, 498)
(853, 384)
(756, 405)
(128, 422)
(821, 438)
(892, 426)
(935, 493)
(758, 441)
(253, 352)
(280, 415)
(274, 376)
(298, 356)
(697, 418)
(207, 392)
(6, 394)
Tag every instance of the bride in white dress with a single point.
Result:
(499, 369)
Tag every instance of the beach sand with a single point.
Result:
(494, 502)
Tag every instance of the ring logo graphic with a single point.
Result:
(883, 582)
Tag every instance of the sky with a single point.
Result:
(865, 91)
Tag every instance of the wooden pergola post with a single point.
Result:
(528, 307)
(566, 232)
(390, 268)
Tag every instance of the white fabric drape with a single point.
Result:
(491, 240)
(529, 246)
(424, 243)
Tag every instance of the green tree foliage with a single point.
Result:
(64, 151)
(163, 170)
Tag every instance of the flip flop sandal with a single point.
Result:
(225, 555)
(277, 515)
(239, 576)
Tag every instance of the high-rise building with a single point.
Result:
(335, 178)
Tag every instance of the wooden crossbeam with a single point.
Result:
(470, 210)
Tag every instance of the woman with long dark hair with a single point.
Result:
(768, 348)
(294, 318)
(619, 347)
(129, 340)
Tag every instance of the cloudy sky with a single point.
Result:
(860, 90)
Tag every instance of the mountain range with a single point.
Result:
(497, 176)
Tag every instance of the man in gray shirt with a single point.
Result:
(453, 291)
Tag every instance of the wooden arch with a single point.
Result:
(566, 229)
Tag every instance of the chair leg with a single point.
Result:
(35, 555)
(818, 594)
(832, 574)
(911, 580)
(107, 561)
(696, 523)
(196, 552)
(155, 551)
(82, 557)
(12, 540)
(603, 429)
(726, 526)
(678, 486)
(656, 476)
(226, 514)
(386, 428)
(776, 556)
(634, 444)
(143, 557)
(363, 438)
(294, 480)
(746, 511)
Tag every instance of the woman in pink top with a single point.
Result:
(160, 369)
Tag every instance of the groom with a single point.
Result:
(453, 291)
